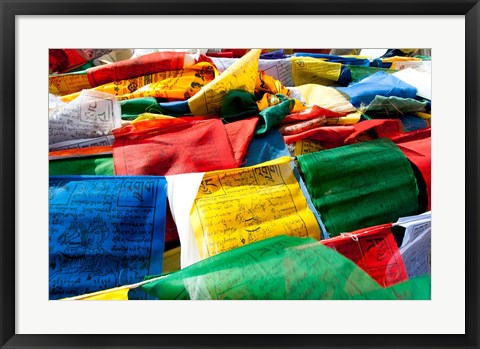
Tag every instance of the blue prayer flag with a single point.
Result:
(104, 232)
(381, 84)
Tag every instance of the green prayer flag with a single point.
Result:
(238, 104)
(360, 185)
(272, 116)
(281, 267)
(361, 72)
(98, 165)
(414, 289)
(390, 107)
(131, 108)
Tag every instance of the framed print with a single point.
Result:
(32, 284)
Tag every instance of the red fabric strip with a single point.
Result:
(417, 147)
(375, 251)
(240, 134)
(330, 136)
(195, 146)
(131, 68)
(383, 128)
(89, 151)
(311, 113)
(336, 136)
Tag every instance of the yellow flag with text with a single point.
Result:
(241, 75)
(240, 206)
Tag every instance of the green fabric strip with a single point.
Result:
(391, 107)
(360, 185)
(98, 165)
(238, 104)
(273, 269)
(272, 116)
(361, 72)
(415, 289)
(131, 108)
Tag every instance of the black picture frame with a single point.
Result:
(10, 9)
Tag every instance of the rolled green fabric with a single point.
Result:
(131, 108)
(238, 104)
(391, 107)
(98, 165)
(360, 185)
(273, 115)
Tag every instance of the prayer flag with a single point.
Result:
(416, 244)
(360, 185)
(104, 232)
(92, 114)
(95, 165)
(172, 146)
(239, 206)
(380, 83)
(130, 68)
(374, 250)
(239, 76)
(277, 268)
(240, 134)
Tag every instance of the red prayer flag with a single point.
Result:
(311, 113)
(81, 152)
(417, 147)
(240, 134)
(330, 136)
(185, 147)
(221, 54)
(131, 68)
(61, 61)
(375, 251)
(336, 136)
(383, 128)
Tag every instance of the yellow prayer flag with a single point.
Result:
(325, 97)
(240, 206)
(241, 75)
(423, 115)
(150, 116)
(309, 70)
(400, 62)
(307, 146)
(174, 84)
(112, 294)
(266, 83)
(349, 119)
(67, 83)
(400, 59)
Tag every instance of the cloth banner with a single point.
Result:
(172, 84)
(172, 146)
(279, 268)
(104, 232)
(348, 186)
(374, 250)
(95, 165)
(93, 114)
(241, 75)
(416, 244)
(239, 206)
(131, 68)
(380, 83)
